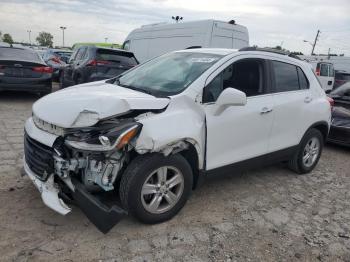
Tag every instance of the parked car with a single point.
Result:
(153, 132)
(153, 40)
(24, 70)
(57, 59)
(340, 125)
(4, 44)
(325, 74)
(341, 77)
(91, 63)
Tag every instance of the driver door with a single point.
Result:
(238, 133)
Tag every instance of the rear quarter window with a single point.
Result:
(122, 58)
(323, 69)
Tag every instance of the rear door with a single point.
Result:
(74, 64)
(292, 101)
(325, 73)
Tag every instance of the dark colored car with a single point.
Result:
(91, 63)
(341, 77)
(57, 59)
(24, 70)
(340, 126)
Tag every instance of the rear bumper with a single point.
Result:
(45, 86)
(339, 135)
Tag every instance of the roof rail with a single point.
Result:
(270, 50)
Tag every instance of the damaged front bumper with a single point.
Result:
(102, 216)
(49, 192)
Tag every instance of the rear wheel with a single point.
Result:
(309, 152)
(79, 80)
(61, 81)
(154, 188)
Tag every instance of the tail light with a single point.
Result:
(98, 62)
(318, 71)
(43, 69)
(331, 101)
(55, 59)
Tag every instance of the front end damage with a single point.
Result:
(80, 166)
(82, 163)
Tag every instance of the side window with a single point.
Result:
(286, 77)
(245, 75)
(126, 45)
(324, 70)
(331, 70)
(303, 82)
(72, 57)
(80, 54)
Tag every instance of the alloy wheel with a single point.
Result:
(162, 189)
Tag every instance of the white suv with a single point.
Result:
(151, 133)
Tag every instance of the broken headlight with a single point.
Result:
(105, 137)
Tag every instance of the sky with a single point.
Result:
(269, 22)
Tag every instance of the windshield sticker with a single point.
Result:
(202, 60)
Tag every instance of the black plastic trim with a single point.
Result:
(102, 216)
(264, 160)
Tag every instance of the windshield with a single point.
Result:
(169, 74)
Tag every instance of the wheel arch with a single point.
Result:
(321, 126)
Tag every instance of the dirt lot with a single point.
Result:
(264, 215)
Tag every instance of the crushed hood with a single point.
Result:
(84, 105)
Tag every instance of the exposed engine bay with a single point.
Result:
(95, 155)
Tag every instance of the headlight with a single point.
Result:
(105, 140)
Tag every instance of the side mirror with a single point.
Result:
(230, 97)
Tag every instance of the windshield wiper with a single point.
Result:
(134, 88)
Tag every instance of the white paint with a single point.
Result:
(84, 105)
(48, 192)
(150, 41)
(234, 133)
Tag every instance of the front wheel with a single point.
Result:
(309, 152)
(154, 188)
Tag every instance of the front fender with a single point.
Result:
(183, 120)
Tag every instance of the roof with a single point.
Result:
(227, 51)
(216, 51)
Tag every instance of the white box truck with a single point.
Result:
(153, 40)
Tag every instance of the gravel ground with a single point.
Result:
(269, 214)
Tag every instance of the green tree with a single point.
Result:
(45, 39)
(7, 38)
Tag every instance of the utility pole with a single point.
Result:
(316, 39)
(63, 28)
(30, 41)
(329, 52)
(106, 38)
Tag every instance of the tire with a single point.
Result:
(79, 80)
(44, 93)
(141, 170)
(297, 164)
(61, 81)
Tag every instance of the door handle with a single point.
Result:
(330, 82)
(308, 99)
(265, 110)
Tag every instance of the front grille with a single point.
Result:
(38, 157)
